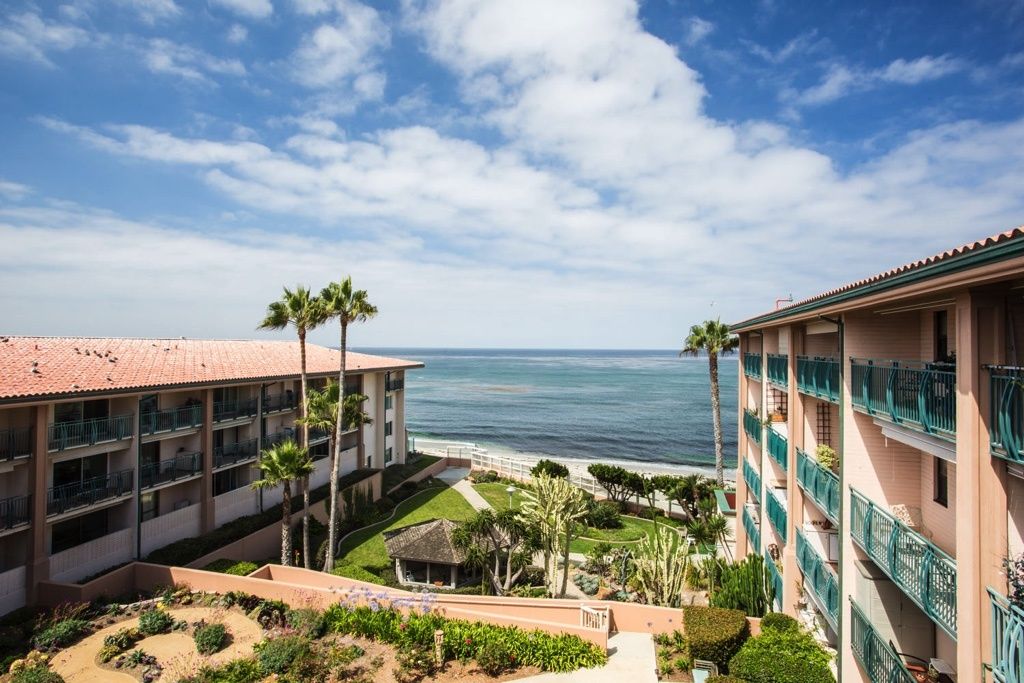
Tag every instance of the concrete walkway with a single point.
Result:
(630, 658)
(461, 484)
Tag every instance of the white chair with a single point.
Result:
(703, 670)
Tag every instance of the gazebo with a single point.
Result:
(425, 555)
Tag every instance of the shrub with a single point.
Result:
(154, 621)
(597, 559)
(485, 477)
(236, 671)
(586, 583)
(307, 622)
(603, 515)
(276, 656)
(494, 659)
(725, 679)
(414, 664)
(651, 513)
(210, 638)
(777, 621)
(781, 657)
(550, 468)
(108, 652)
(233, 567)
(61, 634)
(124, 638)
(826, 455)
(36, 674)
(714, 634)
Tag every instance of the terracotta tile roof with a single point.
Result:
(948, 255)
(429, 541)
(33, 367)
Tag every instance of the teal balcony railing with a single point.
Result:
(15, 443)
(752, 365)
(819, 483)
(273, 403)
(753, 479)
(237, 409)
(776, 513)
(778, 369)
(63, 435)
(879, 661)
(171, 419)
(753, 530)
(233, 453)
(15, 511)
(918, 395)
(285, 434)
(317, 435)
(819, 578)
(775, 574)
(925, 573)
(61, 499)
(181, 466)
(1007, 639)
(778, 449)
(752, 425)
(1006, 412)
(818, 377)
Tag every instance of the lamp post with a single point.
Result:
(510, 491)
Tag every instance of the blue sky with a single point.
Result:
(589, 173)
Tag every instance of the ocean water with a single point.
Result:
(634, 406)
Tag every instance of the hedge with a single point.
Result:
(725, 679)
(782, 657)
(233, 567)
(777, 621)
(714, 634)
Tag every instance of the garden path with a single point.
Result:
(630, 658)
(463, 486)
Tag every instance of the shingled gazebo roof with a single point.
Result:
(429, 541)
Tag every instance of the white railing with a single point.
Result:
(171, 527)
(12, 589)
(520, 471)
(234, 504)
(93, 557)
(594, 618)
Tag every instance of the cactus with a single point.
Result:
(662, 562)
(746, 586)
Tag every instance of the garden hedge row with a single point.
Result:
(715, 634)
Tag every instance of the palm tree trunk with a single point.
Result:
(303, 412)
(716, 414)
(332, 512)
(286, 525)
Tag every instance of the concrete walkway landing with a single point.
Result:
(630, 658)
(457, 480)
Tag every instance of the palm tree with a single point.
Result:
(280, 466)
(348, 306)
(304, 312)
(713, 338)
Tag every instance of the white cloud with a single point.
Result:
(344, 51)
(30, 37)
(253, 9)
(13, 190)
(237, 34)
(697, 29)
(840, 80)
(163, 56)
(803, 44)
(920, 70)
(152, 11)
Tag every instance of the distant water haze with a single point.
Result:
(630, 406)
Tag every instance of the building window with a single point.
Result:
(389, 455)
(78, 530)
(369, 461)
(942, 336)
(149, 504)
(941, 482)
(387, 402)
(388, 429)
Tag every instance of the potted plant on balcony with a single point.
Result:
(827, 456)
(777, 416)
(1014, 567)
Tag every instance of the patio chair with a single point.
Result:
(703, 670)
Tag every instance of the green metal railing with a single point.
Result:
(15, 443)
(778, 369)
(879, 661)
(818, 575)
(318, 435)
(233, 453)
(925, 573)
(753, 479)
(819, 483)
(271, 440)
(1006, 412)
(818, 377)
(778, 449)
(236, 409)
(752, 529)
(752, 425)
(776, 513)
(62, 435)
(181, 466)
(911, 393)
(275, 402)
(752, 365)
(776, 576)
(60, 499)
(15, 511)
(1007, 639)
(171, 419)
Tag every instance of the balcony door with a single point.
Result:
(80, 469)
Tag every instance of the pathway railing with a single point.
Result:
(235, 409)
(819, 577)
(879, 661)
(1007, 639)
(778, 369)
(819, 377)
(233, 453)
(776, 577)
(273, 403)
(819, 483)
(918, 395)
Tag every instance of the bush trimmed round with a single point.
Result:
(714, 634)
(210, 638)
(777, 621)
(782, 657)
(155, 621)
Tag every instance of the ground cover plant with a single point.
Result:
(233, 567)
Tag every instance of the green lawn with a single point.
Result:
(396, 474)
(365, 548)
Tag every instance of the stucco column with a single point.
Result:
(38, 554)
(207, 513)
(794, 496)
(742, 549)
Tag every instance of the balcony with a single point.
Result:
(15, 443)
(778, 370)
(271, 440)
(233, 454)
(874, 655)
(394, 384)
(775, 574)
(921, 570)
(819, 377)
(753, 480)
(61, 499)
(778, 449)
(64, 435)
(752, 365)
(752, 425)
(238, 409)
(776, 513)
(171, 420)
(752, 529)
(1006, 413)
(921, 396)
(317, 436)
(277, 403)
(820, 484)
(15, 511)
(1007, 639)
(181, 466)
(819, 579)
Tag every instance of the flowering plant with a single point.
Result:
(1014, 567)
